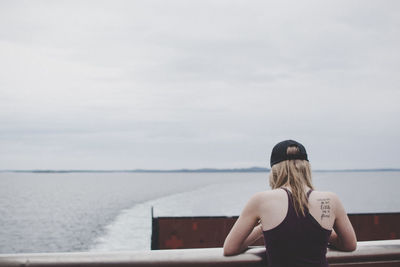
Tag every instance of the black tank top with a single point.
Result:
(297, 241)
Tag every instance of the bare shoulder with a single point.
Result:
(323, 194)
(268, 198)
(269, 194)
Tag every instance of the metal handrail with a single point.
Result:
(386, 252)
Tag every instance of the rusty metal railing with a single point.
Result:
(369, 253)
(211, 231)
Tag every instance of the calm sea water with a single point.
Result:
(64, 212)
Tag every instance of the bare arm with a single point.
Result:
(343, 236)
(245, 231)
(256, 234)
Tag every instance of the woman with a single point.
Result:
(297, 223)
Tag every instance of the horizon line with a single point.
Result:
(249, 169)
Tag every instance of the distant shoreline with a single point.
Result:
(203, 170)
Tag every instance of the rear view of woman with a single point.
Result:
(296, 221)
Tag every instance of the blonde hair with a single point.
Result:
(297, 174)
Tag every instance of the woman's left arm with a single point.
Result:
(246, 230)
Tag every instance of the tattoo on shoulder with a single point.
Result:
(325, 207)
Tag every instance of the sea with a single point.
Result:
(70, 212)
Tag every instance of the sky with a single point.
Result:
(194, 84)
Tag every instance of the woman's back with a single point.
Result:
(274, 207)
(296, 240)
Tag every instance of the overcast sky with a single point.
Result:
(193, 84)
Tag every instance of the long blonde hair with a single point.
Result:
(295, 173)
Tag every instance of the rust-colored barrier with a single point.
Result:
(207, 232)
(368, 254)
